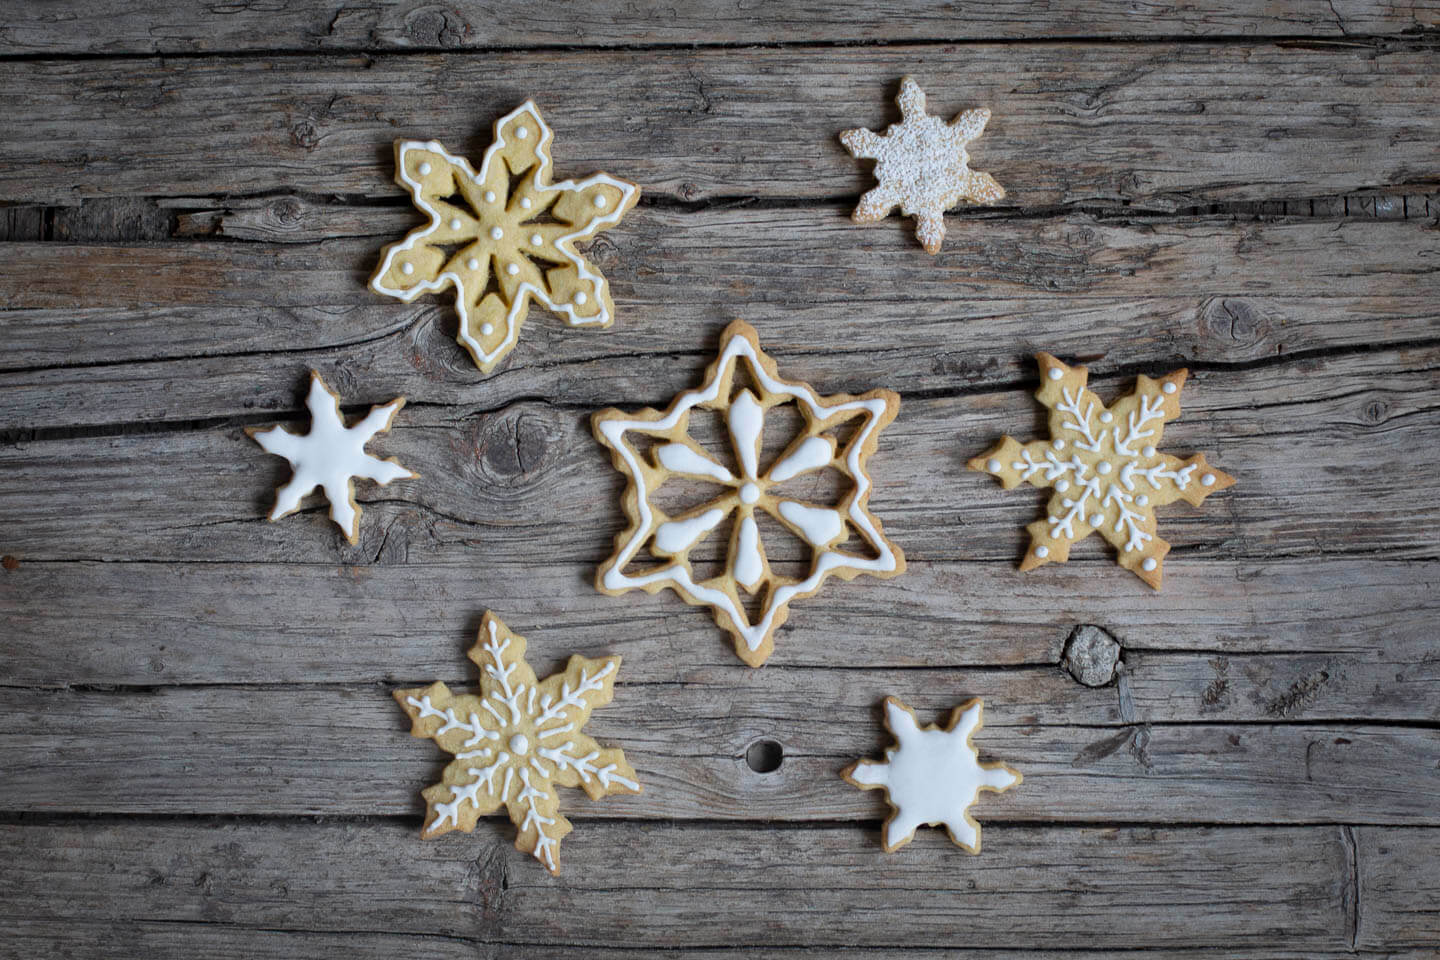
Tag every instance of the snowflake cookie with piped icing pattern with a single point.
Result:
(516, 742)
(331, 456)
(835, 437)
(503, 236)
(931, 775)
(922, 166)
(1106, 468)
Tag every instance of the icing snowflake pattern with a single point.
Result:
(516, 742)
(922, 165)
(932, 775)
(1105, 467)
(754, 487)
(330, 456)
(503, 236)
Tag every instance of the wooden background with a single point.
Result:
(199, 755)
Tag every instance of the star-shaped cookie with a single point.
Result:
(922, 166)
(330, 456)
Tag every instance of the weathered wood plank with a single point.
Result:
(35, 27)
(1154, 124)
(323, 750)
(1226, 642)
(1399, 888)
(1219, 887)
(1329, 451)
(192, 330)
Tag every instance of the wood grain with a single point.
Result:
(1155, 125)
(1229, 887)
(67, 26)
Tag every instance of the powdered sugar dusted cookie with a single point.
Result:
(331, 456)
(502, 246)
(922, 166)
(747, 492)
(516, 742)
(932, 775)
(1106, 469)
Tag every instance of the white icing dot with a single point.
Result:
(1142, 500)
(424, 169)
(1106, 416)
(580, 296)
(525, 203)
(1096, 519)
(1056, 373)
(749, 493)
(487, 329)
(522, 132)
(1062, 485)
(496, 233)
(993, 466)
(1104, 467)
(519, 745)
(1208, 480)
(1042, 551)
(1147, 450)
(1169, 387)
(489, 196)
(473, 264)
(454, 223)
(407, 268)
(599, 201)
(512, 269)
(1148, 564)
(536, 240)
(1059, 444)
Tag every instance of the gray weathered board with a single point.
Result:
(199, 755)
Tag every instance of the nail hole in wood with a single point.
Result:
(764, 756)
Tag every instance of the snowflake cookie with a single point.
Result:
(502, 236)
(922, 165)
(330, 456)
(1105, 467)
(652, 447)
(932, 775)
(516, 742)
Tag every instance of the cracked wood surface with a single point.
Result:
(202, 757)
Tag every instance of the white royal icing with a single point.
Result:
(330, 455)
(932, 776)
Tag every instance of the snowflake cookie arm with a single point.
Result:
(566, 699)
(470, 787)
(1037, 463)
(507, 684)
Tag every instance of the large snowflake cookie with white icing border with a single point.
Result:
(932, 775)
(331, 456)
(516, 742)
(1106, 469)
(922, 165)
(748, 489)
(502, 236)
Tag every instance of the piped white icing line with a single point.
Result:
(745, 425)
(932, 776)
(330, 456)
(563, 246)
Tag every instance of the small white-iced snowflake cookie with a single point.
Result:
(331, 456)
(922, 166)
(516, 742)
(1105, 467)
(503, 236)
(931, 775)
(748, 492)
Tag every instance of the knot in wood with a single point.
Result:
(1235, 320)
(518, 443)
(1091, 656)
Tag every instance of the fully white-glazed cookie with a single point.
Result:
(738, 495)
(1106, 469)
(922, 165)
(503, 236)
(516, 742)
(932, 775)
(331, 456)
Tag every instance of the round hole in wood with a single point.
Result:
(764, 756)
